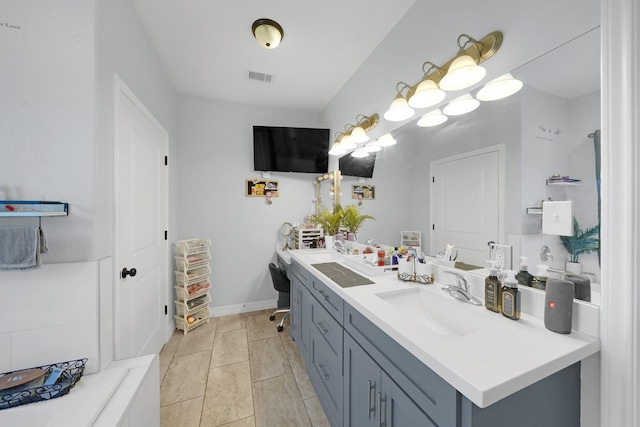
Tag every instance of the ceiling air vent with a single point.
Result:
(261, 77)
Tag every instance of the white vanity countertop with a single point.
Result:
(485, 365)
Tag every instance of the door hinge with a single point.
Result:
(166, 233)
(166, 160)
(166, 310)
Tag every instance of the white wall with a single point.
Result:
(47, 117)
(56, 137)
(216, 158)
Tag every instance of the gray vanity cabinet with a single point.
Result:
(319, 337)
(385, 383)
(374, 398)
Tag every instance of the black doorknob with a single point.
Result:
(126, 272)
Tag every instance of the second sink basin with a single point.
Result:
(440, 312)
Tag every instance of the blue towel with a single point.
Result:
(21, 246)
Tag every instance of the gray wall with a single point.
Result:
(216, 159)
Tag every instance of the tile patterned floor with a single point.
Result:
(236, 371)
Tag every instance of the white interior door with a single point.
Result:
(140, 224)
(466, 203)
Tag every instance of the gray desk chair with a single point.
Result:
(281, 284)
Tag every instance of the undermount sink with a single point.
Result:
(441, 313)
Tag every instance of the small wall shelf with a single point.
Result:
(534, 211)
(32, 208)
(567, 182)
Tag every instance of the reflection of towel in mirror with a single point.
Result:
(21, 246)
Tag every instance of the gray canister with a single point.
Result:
(558, 305)
(582, 286)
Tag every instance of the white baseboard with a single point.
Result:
(243, 308)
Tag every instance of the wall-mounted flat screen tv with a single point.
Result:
(354, 166)
(290, 149)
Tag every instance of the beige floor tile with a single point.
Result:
(278, 403)
(197, 340)
(186, 378)
(245, 422)
(297, 366)
(228, 395)
(230, 323)
(268, 359)
(316, 413)
(167, 353)
(182, 414)
(260, 327)
(229, 347)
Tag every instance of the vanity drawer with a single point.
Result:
(328, 298)
(327, 328)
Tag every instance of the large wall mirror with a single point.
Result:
(550, 127)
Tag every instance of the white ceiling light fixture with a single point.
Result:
(427, 93)
(399, 109)
(386, 140)
(267, 32)
(464, 71)
(358, 135)
(372, 147)
(337, 149)
(461, 105)
(432, 118)
(359, 153)
(499, 88)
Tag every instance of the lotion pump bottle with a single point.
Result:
(492, 297)
(510, 296)
(523, 277)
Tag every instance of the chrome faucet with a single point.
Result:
(461, 289)
(369, 242)
(339, 246)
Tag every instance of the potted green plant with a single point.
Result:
(581, 242)
(353, 219)
(330, 221)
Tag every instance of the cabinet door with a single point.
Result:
(305, 323)
(397, 409)
(361, 386)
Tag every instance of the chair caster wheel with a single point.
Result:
(280, 328)
(272, 317)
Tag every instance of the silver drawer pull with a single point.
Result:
(323, 294)
(324, 330)
(382, 421)
(322, 371)
(372, 410)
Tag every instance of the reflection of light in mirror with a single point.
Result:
(461, 105)
(360, 152)
(427, 94)
(372, 147)
(499, 88)
(463, 72)
(337, 150)
(358, 135)
(386, 140)
(399, 110)
(432, 118)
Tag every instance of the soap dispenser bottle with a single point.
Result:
(540, 279)
(492, 298)
(510, 296)
(523, 277)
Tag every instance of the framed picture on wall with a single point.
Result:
(363, 192)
